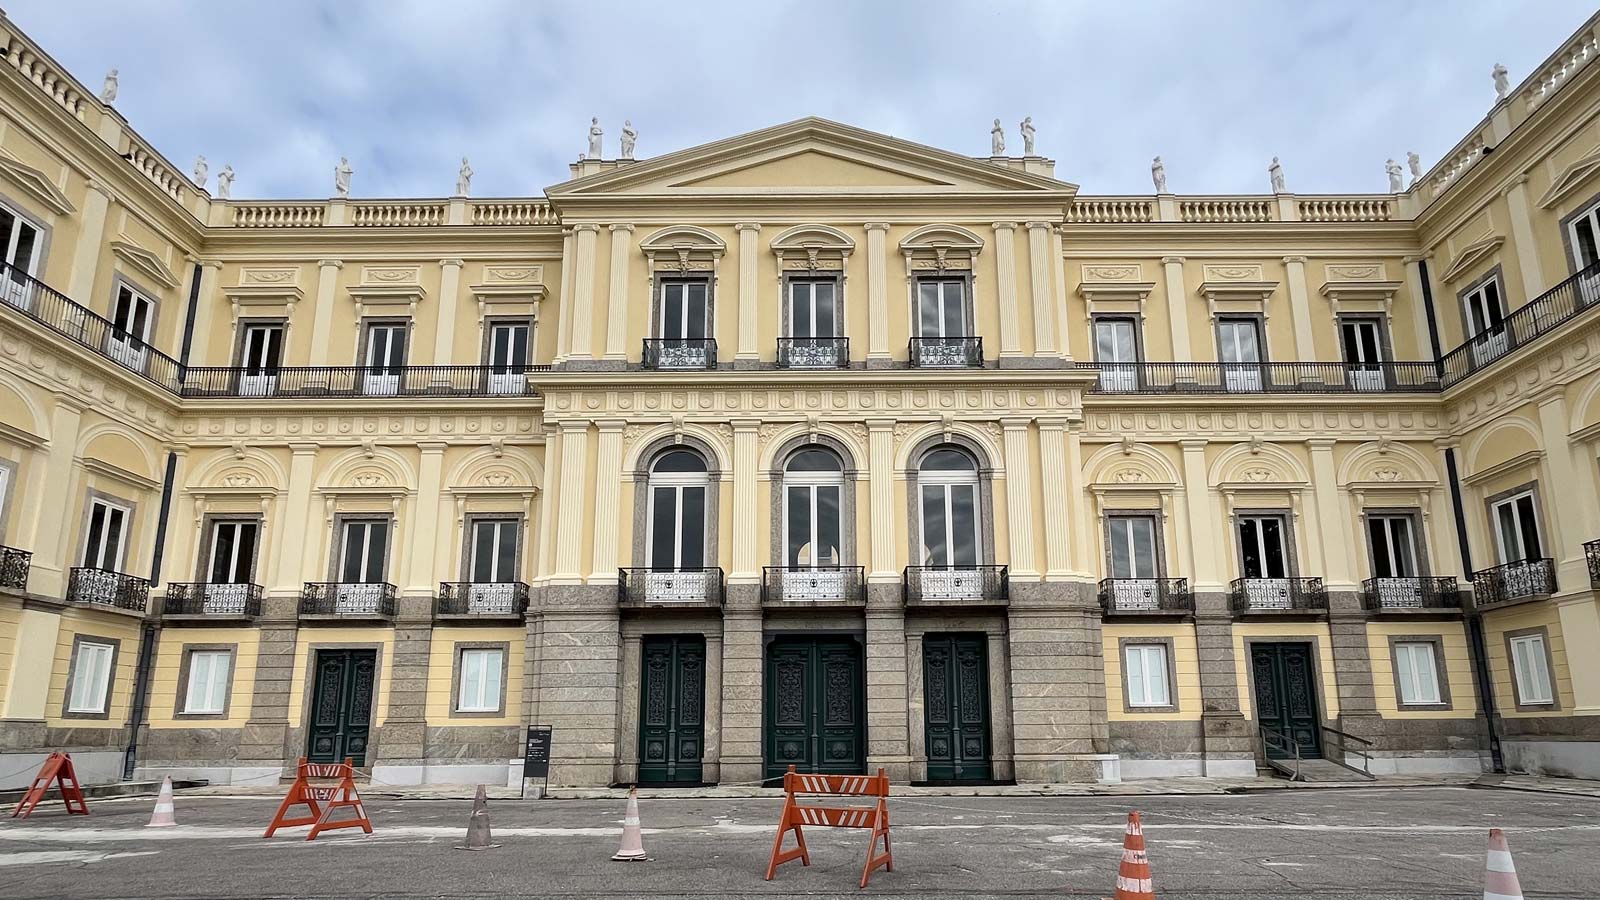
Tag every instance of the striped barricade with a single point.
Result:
(875, 817)
(322, 800)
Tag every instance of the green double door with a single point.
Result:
(955, 680)
(672, 710)
(815, 706)
(1286, 697)
(341, 706)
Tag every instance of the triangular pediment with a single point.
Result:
(1570, 179)
(36, 185)
(145, 262)
(1470, 256)
(810, 157)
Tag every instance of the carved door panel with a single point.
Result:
(955, 679)
(1286, 696)
(341, 705)
(815, 705)
(672, 710)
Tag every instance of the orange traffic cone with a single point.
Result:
(162, 817)
(1133, 878)
(632, 838)
(1500, 881)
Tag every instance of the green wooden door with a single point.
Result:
(955, 680)
(815, 707)
(672, 710)
(341, 705)
(1286, 697)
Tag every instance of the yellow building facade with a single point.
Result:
(809, 446)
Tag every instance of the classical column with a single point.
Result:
(880, 485)
(746, 530)
(607, 500)
(1019, 499)
(574, 486)
(86, 253)
(295, 528)
(1077, 507)
(52, 554)
(877, 293)
(582, 346)
(1057, 254)
(1005, 270)
(549, 501)
(425, 525)
(1052, 472)
(200, 342)
(322, 324)
(1305, 349)
(1526, 248)
(617, 299)
(1336, 568)
(568, 275)
(1177, 308)
(1565, 546)
(1041, 295)
(444, 334)
(749, 332)
(1208, 569)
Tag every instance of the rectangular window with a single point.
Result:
(363, 552)
(1516, 528)
(207, 692)
(131, 315)
(508, 347)
(479, 688)
(685, 309)
(1147, 675)
(21, 241)
(941, 307)
(1417, 672)
(1394, 548)
(1532, 670)
(261, 349)
(1263, 549)
(107, 538)
(1239, 348)
(1132, 540)
(494, 550)
(1584, 230)
(1116, 349)
(91, 678)
(1484, 308)
(1362, 338)
(5, 492)
(233, 552)
(813, 308)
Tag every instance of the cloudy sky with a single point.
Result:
(281, 88)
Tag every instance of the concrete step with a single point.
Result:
(1324, 770)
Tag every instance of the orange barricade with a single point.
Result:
(795, 815)
(58, 768)
(339, 796)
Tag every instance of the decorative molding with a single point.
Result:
(1570, 179)
(1516, 463)
(36, 185)
(101, 467)
(386, 286)
(145, 262)
(1470, 256)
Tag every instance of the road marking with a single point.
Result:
(44, 857)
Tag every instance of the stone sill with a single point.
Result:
(1508, 603)
(691, 605)
(1280, 614)
(103, 607)
(507, 618)
(1147, 613)
(814, 604)
(336, 618)
(1416, 612)
(205, 619)
(964, 603)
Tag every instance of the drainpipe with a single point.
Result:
(1476, 645)
(147, 632)
(188, 324)
(1427, 305)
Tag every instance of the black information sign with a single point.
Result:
(536, 757)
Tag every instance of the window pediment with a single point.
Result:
(683, 249)
(940, 247)
(1570, 179)
(145, 263)
(36, 185)
(812, 247)
(1470, 256)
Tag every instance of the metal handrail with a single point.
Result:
(955, 584)
(14, 565)
(1301, 594)
(1146, 595)
(1532, 320)
(1591, 550)
(1346, 750)
(1514, 581)
(1387, 593)
(668, 585)
(359, 381)
(679, 353)
(483, 599)
(820, 584)
(354, 599)
(1284, 742)
(1262, 378)
(212, 599)
(106, 587)
(945, 352)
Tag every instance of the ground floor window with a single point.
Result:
(207, 691)
(478, 689)
(91, 677)
(1146, 670)
(1531, 667)
(1417, 671)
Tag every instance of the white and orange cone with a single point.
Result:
(632, 838)
(1133, 877)
(1500, 881)
(163, 816)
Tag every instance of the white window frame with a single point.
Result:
(1124, 523)
(208, 696)
(684, 329)
(812, 482)
(1590, 217)
(1475, 307)
(1388, 520)
(1530, 670)
(1256, 523)
(91, 695)
(497, 576)
(1417, 674)
(366, 549)
(123, 530)
(677, 482)
(1142, 689)
(946, 480)
(1511, 503)
(234, 563)
(808, 288)
(489, 687)
(943, 288)
(11, 239)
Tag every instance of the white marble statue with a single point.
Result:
(1158, 174)
(1275, 172)
(1027, 136)
(224, 182)
(341, 178)
(1397, 176)
(629, 138)
(595, 133)
(464, 179)
(108, 91)
(202, 170)
(997, 140)
(1414, 162)
(1502, 81)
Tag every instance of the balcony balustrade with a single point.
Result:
(14, 565)
(844, 585)
(1409, 594)
(212, 599)
(1514, 581)
(1592, 551)
(956, 585)
(103, 587)
(323, 382)
(1534, 319)
(664, 587)
(1277, 595)
(813, 353)
(679, 353)
(946, 352)
(481, 600)
(1146, 596)
(1264, 378)
(347, 600)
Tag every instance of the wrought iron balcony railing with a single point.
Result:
(1246, 595)
(212, 599)
(679, 353)
(1264, 378)
(946, 352)
(1147, 596)
(49, 307)
(1514, 581)
(1527, 323)
(14, 565)
(1385, 594)
(813, 584)
(956, 585)
(103, 587)
(477, 599)
(348, 599)
(814, 353)
(667, 587)
(1592, 551)
(322, 382)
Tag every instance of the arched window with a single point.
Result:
(677, 513)
(947, 482)
(813, 524)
